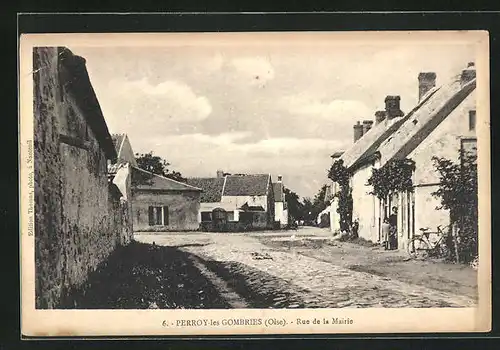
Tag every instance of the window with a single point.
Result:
(206, 216)
(468, 147)
(472, 120)
(158, 216)
(230, 216)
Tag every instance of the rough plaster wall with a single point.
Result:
(48, 182)
(444, 141)
(278, 208)
(183, 209)
(364, 205)
(426, 214)
(78, 222)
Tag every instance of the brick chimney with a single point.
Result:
(220, 173)
(367, 125)
(358, 131)
(392, 107)
(380, 116)
(468, 73)
(426, 81)
(280, 179)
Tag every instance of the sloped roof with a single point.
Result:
(80, 87)
(278, 192)
(246, 185)
(246, 207)
(424, 120)
(117, 141)
(211, 186)
(144, 180)
(369, 142)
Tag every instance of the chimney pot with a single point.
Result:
(392, 107)
(468, 73)
(426, 81)
(280, 178)
(379, 116)
(358, 131)
(367, 125)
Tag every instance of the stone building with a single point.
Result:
(247, 199)
(82, 215)
(441, 124)
(163, 204)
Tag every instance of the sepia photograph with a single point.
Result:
(254, 183)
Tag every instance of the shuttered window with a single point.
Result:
(472, 120)
(165, 216)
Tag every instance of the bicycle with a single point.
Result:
(421, 247)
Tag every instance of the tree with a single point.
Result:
(295, 207)
(308, 210)
(319, 202)
(157, 165)
(458, 192)
(340, 174)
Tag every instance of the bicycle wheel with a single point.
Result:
(418, 248)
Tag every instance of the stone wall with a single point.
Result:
(183, 208)
(79, 216)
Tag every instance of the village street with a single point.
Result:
(306, 268)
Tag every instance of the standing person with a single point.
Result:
(386, 227)
(393, 223)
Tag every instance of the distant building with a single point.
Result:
(159, 204)
(163, 204)
(124, 151)
(442, 123)
(280, 204)
(248, 200)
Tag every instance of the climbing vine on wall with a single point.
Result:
(341, 175)
(394, 176)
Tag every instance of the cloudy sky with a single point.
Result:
(266, 106)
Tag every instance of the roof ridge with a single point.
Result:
(166, 178)
(224, 186)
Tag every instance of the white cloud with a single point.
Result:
(174, 99)
(256, 70)
(340, 110)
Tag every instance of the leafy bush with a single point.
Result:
(394, 176)
(458, 193)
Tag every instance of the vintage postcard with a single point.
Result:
(255, 183)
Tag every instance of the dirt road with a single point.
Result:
(273, 270)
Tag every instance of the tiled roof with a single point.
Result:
(424, 120)
(211, 186)
(246, 185)
(144, 180)
(278, 192)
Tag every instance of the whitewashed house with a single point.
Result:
(442, 123)
(280, 205)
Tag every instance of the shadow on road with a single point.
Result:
(259, 289)
(141, 276)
